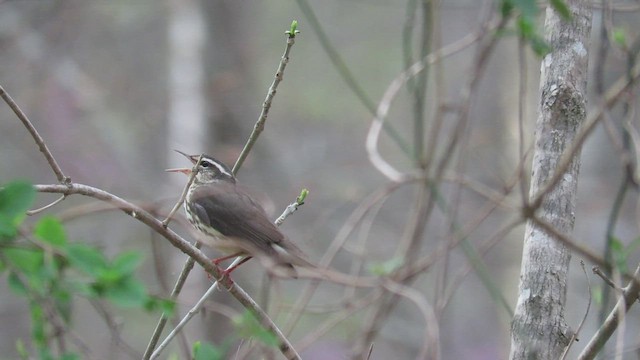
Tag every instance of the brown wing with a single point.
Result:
(234, 214)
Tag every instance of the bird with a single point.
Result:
(232, 221)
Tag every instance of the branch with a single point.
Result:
(190, 314)
(177, 288)
(629, 296)
(200, 303)
(292, 207)
(574, 337)
(430, 349)
(143, 216)
(50, 205)
(610, 98)
(259, 126)
(192, 177)
(36, 136)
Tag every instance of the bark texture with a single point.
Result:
(539, 330)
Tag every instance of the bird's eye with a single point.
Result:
(205, 164)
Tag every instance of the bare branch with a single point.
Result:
(190, 314)
(266, 105)
(611, 97)
(629, 296)
(36, 136)
(596, 270)
(574, 337)
(143, 216)
(41, 209)
(177, 288)
(292, 207)
(430, 348)
(198, 306)
(192, 177)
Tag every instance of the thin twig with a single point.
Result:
(39, 210)
(338, 242)
(186, 269)
(574, 337)
(430, 348)
(369, 352)
(192, 177)
(198, 306)
(177, 288)
(266, 105)
(247, 148)
(329, 323)
(629, 296)
(596, 270)
(183, 245)
(610, 98)
(36, 136)
(391, 93)
(114, 329)
(190, 314)
(346, 74)
(292, 207)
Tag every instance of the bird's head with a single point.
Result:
(210, 170)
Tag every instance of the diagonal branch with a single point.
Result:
(266, 105)
(36, 136)
(183, 245)
(629, 296)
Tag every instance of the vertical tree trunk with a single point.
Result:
(187, 38)
(539, 330)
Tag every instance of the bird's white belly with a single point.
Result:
(212, 237)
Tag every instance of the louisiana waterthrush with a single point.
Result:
(232, 221)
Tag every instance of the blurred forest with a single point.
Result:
(114, 86)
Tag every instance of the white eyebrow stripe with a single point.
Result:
(220, 167)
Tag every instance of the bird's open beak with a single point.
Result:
(186, 171)
(192, 158)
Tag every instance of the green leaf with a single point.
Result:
(63, 303)
(539, 46)
(15, 199)
(81, 288)
(29, 261)
(110, 276)
(303, 195)
(21, 349)
(561, 8)
(69, 356)
(526, 27)
(16, 284)
(633, 245)
(167, 306)
(127, 293)
(248, 327)
(86, 259)
(293, 29)
(127, 262)
(528, 8)
(619, 253)
(506, 7)
(206, 351)
(51, 231)
(620, 37)
(386, 267)
(44, 353)
(38, 332)
(596, 295)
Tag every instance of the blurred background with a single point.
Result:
(114, 86)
